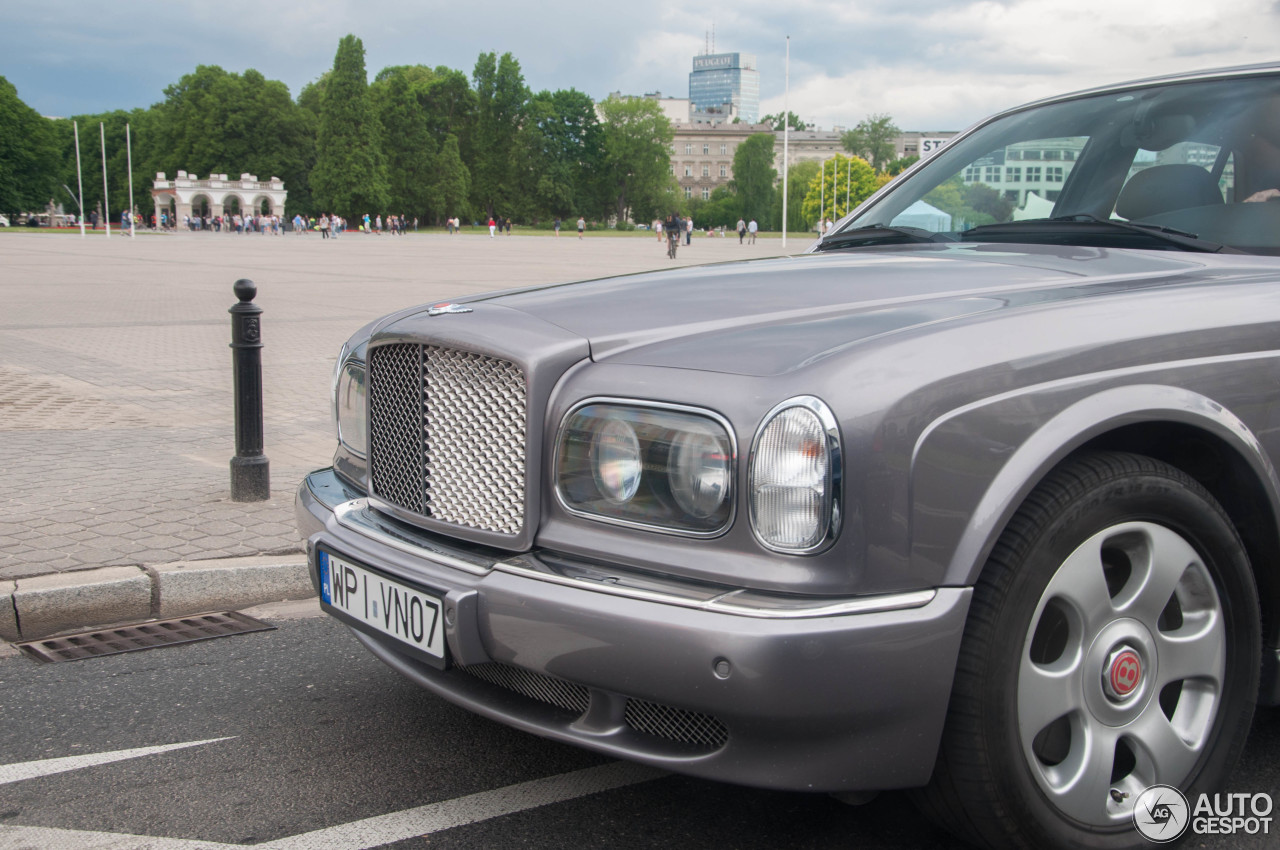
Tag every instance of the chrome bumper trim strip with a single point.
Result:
(741, 603)
(356, 516)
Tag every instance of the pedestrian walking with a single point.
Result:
(688, 230)
(742, 230)
(582, 226)
(751, 230)
(492, 226)
(656, 224)
(557, 226)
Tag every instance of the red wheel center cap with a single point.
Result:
(1124, 674)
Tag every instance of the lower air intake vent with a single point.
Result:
(676, 724)
(649, 718)
(535, 686)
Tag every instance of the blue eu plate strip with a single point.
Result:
(326, 583)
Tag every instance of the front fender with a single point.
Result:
(943, 499)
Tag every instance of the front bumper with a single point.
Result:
(770, 691)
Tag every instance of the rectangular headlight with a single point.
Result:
(664, 467)
(350, 391)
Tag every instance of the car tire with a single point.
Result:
(1113, 643)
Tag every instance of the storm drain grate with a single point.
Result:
(145, 636)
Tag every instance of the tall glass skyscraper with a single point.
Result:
(723, 80)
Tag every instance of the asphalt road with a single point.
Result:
(308, 742)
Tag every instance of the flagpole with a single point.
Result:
(75, 125)
(128, 144)
(106, 201)
(786, 127)
(835, 189)
(822, 199)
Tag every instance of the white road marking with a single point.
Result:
(45, 767)
(370, 832)
(37, 837)
(435, 817)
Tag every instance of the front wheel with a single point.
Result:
(1112, 645)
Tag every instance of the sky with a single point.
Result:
(930, 64)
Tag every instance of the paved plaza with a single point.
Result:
(116, 405)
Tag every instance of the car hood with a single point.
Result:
(768, 317)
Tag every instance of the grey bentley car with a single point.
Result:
(977, 496)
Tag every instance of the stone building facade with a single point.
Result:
(187, 195)
(702, 155)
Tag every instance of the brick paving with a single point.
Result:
(116, 402)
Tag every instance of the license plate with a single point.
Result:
(374, 601)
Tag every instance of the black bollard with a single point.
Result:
(250, 472)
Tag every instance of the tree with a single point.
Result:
(214, 121)
(451, 181)
(501, 97)
(969, 206)
(312, 95)
(563, 151)
(637, 163)
(142, 126)
(350, 175)
(28, 155)
(873, 140)
(793, 121)
(407, 142)
(450, 105)
(799, 178)
(753, 176)
(723, 209)
(901, 164)
(843, 183)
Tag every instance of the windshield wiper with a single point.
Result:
(1084, 222)
(878, 234)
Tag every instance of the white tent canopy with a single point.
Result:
(1035, 207)
(925, 216)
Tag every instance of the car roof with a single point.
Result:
(1257, 70)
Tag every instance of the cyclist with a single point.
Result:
(673, 227)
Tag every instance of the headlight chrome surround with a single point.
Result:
(795, 468)
(350, 403)
(678, 477)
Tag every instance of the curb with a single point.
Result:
(43, 606)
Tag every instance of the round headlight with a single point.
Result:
(616, 461)
(699, 472)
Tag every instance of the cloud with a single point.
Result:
(955, 63)
(932, 64)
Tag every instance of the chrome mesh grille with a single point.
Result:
(396, 444)
(676, 724)
(447, 435)
(533, 685)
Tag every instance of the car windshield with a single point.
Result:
(1179, 166)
